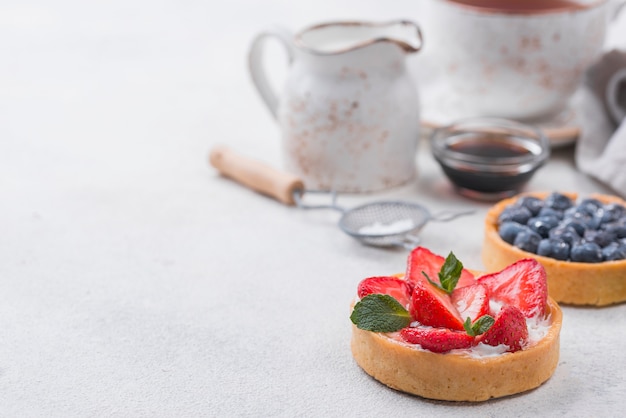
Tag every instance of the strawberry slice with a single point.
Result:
(471, 301)
(437, 340)
(433, 307)
(522, 284)
(423, 260)
(509, 329)
(395, 287)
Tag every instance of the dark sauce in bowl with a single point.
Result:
(492, 160)
(489, 148)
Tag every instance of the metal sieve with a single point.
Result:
(390, 223)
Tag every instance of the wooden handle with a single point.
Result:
(255, 175)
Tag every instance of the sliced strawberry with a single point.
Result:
(395, 287)
(433, 307)
(423, 260)
(522, 284)
(437, 340)
(509, 329)
(471, 301)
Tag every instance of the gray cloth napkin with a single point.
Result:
(601, 147)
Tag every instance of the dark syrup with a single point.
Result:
(489, 148)
(495, 149)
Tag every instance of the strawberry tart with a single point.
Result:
(443, 332)
(580, 241)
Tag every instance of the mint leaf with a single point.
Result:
(380, 313)
(467, 325)
(450, 273)
(480, 326)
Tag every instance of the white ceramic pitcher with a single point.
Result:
(349, 110)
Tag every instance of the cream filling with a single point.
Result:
(537, 327)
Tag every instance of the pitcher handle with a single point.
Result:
(258, 71)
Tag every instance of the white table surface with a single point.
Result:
(135, 281)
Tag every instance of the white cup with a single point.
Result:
(520, 64)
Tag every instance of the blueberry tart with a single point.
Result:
(580, 241)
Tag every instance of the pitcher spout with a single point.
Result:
(341, 37)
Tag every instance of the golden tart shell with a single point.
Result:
(454, 376)
(569, 282)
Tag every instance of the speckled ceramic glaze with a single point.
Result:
(349, 111)
(517, 65)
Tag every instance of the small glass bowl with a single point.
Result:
(487, 158)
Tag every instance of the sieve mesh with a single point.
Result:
(388, 223)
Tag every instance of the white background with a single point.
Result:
(135, 281)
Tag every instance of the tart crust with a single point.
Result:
(569, 282)
(453, 376)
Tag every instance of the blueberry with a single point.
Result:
(509, 230)
(614, 251)
(569, 212)
(587, 221)
(602, 238)
(613, 212)
(533, 204)
(594, 222)
(554, 248)
(565, 233)
(558, 201)
(527, 240)
(589, 206)
(542, 225)
(586, 252)
(619, 229)
(575, 224)
(551, 212)
(518, 214)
